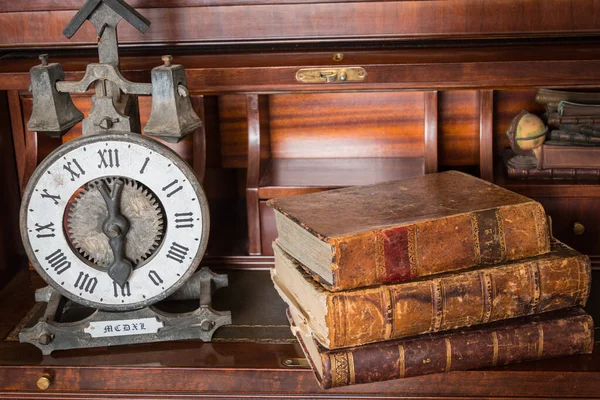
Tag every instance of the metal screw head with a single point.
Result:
(167, 60)
(207, 325)
(43, 58)
(45, 339)
(343, 77)
(106, 123)
(338, 57)
(287, 361)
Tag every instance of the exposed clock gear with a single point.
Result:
(88, 212)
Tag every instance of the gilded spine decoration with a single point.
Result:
(413, 256)
(540, 352)
(541, 227)
(476, 246)
(488, 292)
(448, 355)
(437, 304)
(401, 361)
(380, 268)
(501, 237)
(340, 370)
(535, 280)
(495, 351)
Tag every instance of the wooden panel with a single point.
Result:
(258, 153)
(550, 65)
(323, 21)
(330, 125)
(9, 201)
(507, 104)
(233, 127)
(458, 128)
(431, 132)
(486, 135)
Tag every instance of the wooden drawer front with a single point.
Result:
(566, 213)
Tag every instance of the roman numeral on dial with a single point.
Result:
(86, 284)
(172, 188)
(124, 291)
(109, 158)
(41, 229)
(155, 278)
(177, 252)
(58, 261)
(184, 220)
(74, 169)
(52, 197)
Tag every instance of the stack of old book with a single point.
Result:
(424, 275)
(572, 147)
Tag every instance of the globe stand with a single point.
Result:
(145, 325)
(523, 162)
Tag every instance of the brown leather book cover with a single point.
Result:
(553, 173)
(395, 231)
(557, 334)
(554, 120)
(557, 156)
(559, 279)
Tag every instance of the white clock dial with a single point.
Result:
(146, 166)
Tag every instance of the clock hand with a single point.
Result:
(116, 226)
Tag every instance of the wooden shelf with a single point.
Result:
(286, 177)
(248, 357)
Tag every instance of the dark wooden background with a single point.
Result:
(444, 80)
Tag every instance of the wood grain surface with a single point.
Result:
(288, 21)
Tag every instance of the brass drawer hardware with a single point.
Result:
(331, 75)
(44, 382)
(296, 362)
(578, 228)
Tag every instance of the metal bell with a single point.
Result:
(172, 116)
(53, 112)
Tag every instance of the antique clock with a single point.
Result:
(115, 221)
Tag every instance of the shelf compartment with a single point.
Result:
(286, 177)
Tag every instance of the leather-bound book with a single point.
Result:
(395, 231)
(560, 333)
(553, 173)
(559, 279)
(559, 156)
(554, 120)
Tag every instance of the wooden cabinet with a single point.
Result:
(443, 81)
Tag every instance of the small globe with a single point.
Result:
(527, 133)
(531, 132)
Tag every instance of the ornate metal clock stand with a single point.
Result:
(115, 221)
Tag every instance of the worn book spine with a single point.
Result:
(555, 155)
(401, 253)
(553, 173)
(588, 130)
(534, 338)
(554, 120)
(571, 109)
(574, 138)
(546, 283)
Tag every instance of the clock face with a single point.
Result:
(63, 213)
